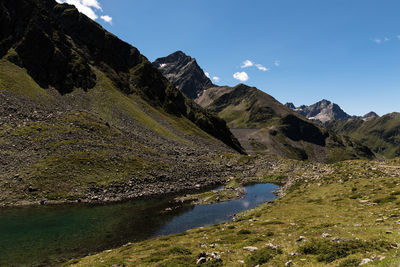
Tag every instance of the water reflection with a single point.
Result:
(40, 236)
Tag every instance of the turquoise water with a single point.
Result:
(47, 235)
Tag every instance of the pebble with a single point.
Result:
(289, 263)
(365, 261)
(251, 249)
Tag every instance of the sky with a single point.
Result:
(300, 51)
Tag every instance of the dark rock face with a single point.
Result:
(59, 47)
(298, 129)
(184, 72)
(290, 105)
(322, 111)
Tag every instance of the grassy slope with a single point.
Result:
(246, 107)
(381, 134)
(84, 146)
(359, 201)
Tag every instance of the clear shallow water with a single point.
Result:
(42, 236)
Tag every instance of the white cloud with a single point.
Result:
(377, 41)
(107, 19)
(261, 67)
(163, 65)
(247, 64)
(241, 76)
(88, 7)
(398, 37)
(277, 63)
(386, 39)
(216, 79)
(207, 74)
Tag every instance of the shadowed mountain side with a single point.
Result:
(263, 125)
(85, 116)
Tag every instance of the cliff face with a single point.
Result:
(184, 72)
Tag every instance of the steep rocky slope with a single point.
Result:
(322, 111)
(85, 116)
(184, 72)
(381, 134)
(263, 125)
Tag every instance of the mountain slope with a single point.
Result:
(381, 134)
(84, 115)
(322, 111)
(184, 72)
(263, 125)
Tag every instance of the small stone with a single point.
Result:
(326, 235)
(365, 261)
(270, 245)
(251, 249)
(201, 260)
(379, 220)
(301, 238)
(289, 263)
(389, 232)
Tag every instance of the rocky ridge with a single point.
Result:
(184, 72)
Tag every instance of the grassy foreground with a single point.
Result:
(347, 216)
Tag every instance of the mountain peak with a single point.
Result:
(184, 72)
(290, 105)
(370, 115)
(323, 111)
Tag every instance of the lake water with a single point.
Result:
(47, 235)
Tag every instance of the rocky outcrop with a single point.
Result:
(184, 72)
(322, 111)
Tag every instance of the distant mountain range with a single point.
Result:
(381, 134)
(260, 122)
(325, 111)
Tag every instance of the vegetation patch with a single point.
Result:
(328, 251)
(261, 256)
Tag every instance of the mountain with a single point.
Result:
(265, 126)
(184, 72)
(322, 111)
(370, 115)
(85, 116)
(381, 134)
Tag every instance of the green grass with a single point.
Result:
(17, 80)
(295, 215)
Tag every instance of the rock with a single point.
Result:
(270, 245)
(389, 232)
(365, 261)
(379, 220)
(326, 235)
(202, 255)
(301, 238)
(251, 249)
(289, 263)
(201, 260)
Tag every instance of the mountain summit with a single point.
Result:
(184, 72)
(322, 111)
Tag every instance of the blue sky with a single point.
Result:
(346, 51)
